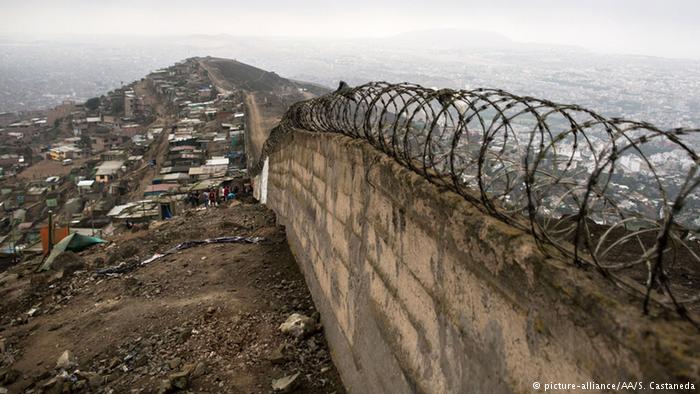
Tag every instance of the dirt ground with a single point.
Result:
(267, 96)
(204, 319)
(46, 168)
(158, 151)
(257, 130)
(141, 178)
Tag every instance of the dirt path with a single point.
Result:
(158, 152)
(265, 108)
(256, 133)
(208, 315)
(46, 168)
(221, 84)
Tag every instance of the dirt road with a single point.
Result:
(267, 97)
(46, 168)
(256, 133)
(258, 123)
(158, 152)
(206, 317)
(221, 84)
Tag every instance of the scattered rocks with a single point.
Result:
(184, 335)
(53, 386)
(286, 384)
(131, 283)
(278, 356)
(66, 361)
(187, 339)
(78, 386)
(19, 321)
(180, 380)
(165, 387)
(114, 363)
(175, 363)
(9, 376)
(68, 262)
(33, 312)
(122, 252)
(94, 380)
(298, 325)
(200, 370)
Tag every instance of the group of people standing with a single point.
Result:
(212, 197)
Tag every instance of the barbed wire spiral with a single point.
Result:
(618, 195)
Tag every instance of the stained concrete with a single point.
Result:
(421, 292)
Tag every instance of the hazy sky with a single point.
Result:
(653, 27)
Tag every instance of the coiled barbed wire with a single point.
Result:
(618, 195)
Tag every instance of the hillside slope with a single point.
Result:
(207, 317)
(267, 96)
(243, 76)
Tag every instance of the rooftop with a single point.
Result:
(109, 167)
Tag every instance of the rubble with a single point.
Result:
(199, 370)
(278, 356)
(66, 361)
(165, 387)
(298, 325)
(208, 325)
(33, 312)
(180, 380)
(127, 266)
(9, 376)
(285, 384)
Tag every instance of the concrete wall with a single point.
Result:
(421, 292)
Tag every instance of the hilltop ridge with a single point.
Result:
(244, 76)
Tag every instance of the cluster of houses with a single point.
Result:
(115, 159)
(17, 132)
(205, 146)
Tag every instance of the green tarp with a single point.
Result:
(73, 242)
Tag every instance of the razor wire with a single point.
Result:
(618, 195)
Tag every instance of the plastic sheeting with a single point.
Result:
(74, 242)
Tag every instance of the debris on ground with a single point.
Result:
(125, 266)
(298, 325)
(285, 384)
(72, 243)
(66, 361)
(179, 323)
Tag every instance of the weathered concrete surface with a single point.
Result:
(421, 292)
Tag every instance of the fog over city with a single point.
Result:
(634, 59)
(645, 27)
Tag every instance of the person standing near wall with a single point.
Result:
(212, 198)
(205, 199)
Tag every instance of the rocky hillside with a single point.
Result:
(209, 318)
(253, 79)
